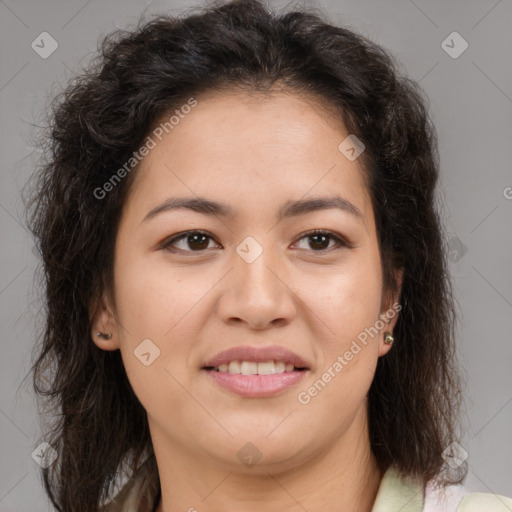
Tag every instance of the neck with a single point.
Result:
(345, 476)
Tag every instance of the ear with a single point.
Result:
(104, 321)
(390, 311)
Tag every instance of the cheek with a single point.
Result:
(151, 299)
(349, 346)
(156, 318)
(164, 305)
(349, 299)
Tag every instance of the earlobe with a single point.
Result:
(104, 326)
(390, 316)
(111, 345)
(105, 338)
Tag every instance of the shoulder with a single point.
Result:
(455, 498)
(477, 501)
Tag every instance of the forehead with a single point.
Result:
(253, 149)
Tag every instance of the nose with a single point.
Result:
(257, 292)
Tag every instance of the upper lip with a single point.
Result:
(257, 354)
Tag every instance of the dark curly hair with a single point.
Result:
(103, 115)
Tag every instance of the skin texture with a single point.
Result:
(254, 153)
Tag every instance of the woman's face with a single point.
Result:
(252, 279)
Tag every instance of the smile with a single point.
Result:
(256, 368)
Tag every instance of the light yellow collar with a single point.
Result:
(397, 494)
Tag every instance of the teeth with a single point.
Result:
(234, 367)
(253, 368)
(267, 368)
(249, 368)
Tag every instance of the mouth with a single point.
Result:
(256, 372)
(251, 360)
(255, 368)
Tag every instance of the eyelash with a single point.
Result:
(341, 242)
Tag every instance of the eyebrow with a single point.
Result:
(289, 209)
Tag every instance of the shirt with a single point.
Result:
(141, 494)
(408, 495)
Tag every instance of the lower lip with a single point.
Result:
(256, 386)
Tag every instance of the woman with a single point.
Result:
(247, 290)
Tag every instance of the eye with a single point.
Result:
(197, 241)
(321, 239)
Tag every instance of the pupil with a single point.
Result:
(195, 237)
(324, 237)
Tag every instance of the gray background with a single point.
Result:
(471, 104)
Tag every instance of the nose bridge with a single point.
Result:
(257, 292)
(253, 262)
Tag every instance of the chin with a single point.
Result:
(254, 452)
